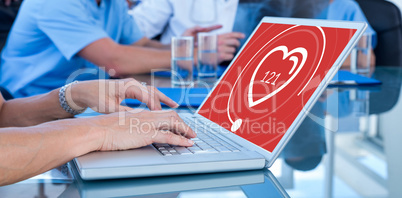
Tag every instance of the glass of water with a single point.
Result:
(361, 55)
(207, 56)
(182, 60)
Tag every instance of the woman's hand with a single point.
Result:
(105, 96)
(138, 128)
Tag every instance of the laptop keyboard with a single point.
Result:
(205, 142)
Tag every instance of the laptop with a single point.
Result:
(254, 108)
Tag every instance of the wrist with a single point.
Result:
(98, 131)
(90, 136)
(76, 97)
(67, 102)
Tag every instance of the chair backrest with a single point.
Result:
(7, 17)
(385, 18)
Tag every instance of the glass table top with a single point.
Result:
(348, 146)
(65, 182)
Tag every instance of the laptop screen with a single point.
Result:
(272, 79)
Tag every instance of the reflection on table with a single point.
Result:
(65, 182)
(362, 139)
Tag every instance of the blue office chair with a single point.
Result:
(385, 18)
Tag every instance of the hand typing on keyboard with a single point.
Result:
(205, 142)
(143, 128)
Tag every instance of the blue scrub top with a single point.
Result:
(248, 15)
(348, 10)
(41, 51)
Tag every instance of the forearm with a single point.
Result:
(122, 60)
(33, 150)
(156, 44)
(347, 63)
(32, 111)
(136, 60)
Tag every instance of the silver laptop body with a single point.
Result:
(241, 154)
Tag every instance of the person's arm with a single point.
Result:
(145, 54)
(28, 151)
(347, 63)
(95, 94)
(122, 60)
(145, 42)
(31, 111)
(227, 43)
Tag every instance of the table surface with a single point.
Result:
(348, 146)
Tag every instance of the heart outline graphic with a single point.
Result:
(236, 124)
(286, 54)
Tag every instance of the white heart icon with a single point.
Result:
(236, 124)
(292, 72)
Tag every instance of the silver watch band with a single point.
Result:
(63, 101)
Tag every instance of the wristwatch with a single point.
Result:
(63, 102)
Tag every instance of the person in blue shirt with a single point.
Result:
(56, 41)
(250, 12)
(349, 10)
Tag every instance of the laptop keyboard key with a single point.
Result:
(205, 151)
(183, 150)
(194, 149)
(205, 147)
(222, 149)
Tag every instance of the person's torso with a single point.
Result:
(190, 13)
(30, 58)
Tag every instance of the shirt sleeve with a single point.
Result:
(152, 16)
(69, 25)
(131, 32)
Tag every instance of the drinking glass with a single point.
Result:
(207, 56)
(182, 61)
(361, 55)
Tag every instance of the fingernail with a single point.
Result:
(191, 142)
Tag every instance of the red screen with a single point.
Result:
(272, 79)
